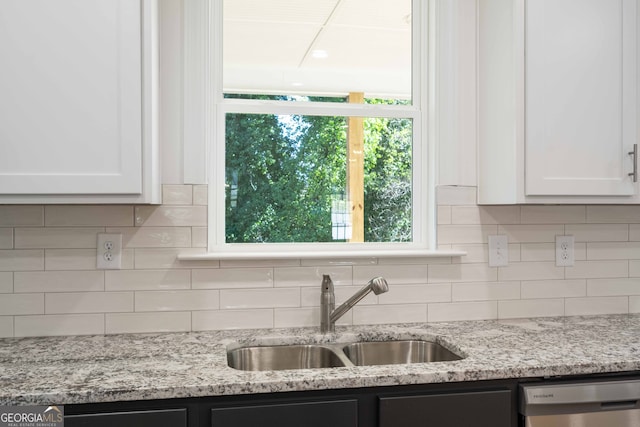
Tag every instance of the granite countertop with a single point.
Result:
(83, 369)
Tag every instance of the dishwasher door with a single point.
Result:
(587, 404)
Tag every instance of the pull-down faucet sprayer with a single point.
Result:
(329, 316)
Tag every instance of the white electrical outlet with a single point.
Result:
(109, 251)
(565, 253)
(498, 251)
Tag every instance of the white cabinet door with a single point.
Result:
(71, 97)
(580, 97)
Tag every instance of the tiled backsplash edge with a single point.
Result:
(49, 284)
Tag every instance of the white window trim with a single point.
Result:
(206, 108)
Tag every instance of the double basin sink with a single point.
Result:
(309, 356)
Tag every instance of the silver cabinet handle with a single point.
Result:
(634, 154)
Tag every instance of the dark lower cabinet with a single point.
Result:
(464, 404)
(155, 418)
(472, 409)
(340, 413)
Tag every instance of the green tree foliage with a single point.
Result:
(282, 172)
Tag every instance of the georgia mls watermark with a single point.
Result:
(31, 416)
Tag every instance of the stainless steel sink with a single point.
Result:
(397, 352)
(274, 358)
(280, 357)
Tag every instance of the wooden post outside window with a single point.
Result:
(355, 170)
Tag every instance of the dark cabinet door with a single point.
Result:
(470, 409)
(340, 413)
(157, 418)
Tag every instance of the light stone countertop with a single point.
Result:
(83, 369)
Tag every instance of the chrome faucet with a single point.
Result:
(329, 316)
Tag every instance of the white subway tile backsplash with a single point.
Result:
(514, 309)
(397, 274)
(59, 281)
(199, 237)
(531, 252)
(634, 268)
(88, 302)
(6, 238)
(613, 250)
(456, 196)
(596, 305)
(411, 294)
(312, 276)
(230, 278)
(154, 237)
(49, 284)
(64, 324)
(531, 233)
(458, 234)
(21, 216)
(609, 214)
(488, 215)
(613, 287)
(168, 258)
(553, 214)
(147, 280)
(70, 259)
(598, 232)
(443, 215)
(6, 326)
(131, 323)
(200, 195)
(232, 319)
(21, 260)
(634, 304)
(485, 291)
(540, 289)
(57, 237)
(462, 273)
(530, 271)
(190, 300)
(476, 253)
(463, 311)
(302, 317)
(598, 269)
(259, 298)
(381, 314)
(88, 216)
(171, 216)
(6, 282)
(18, 304)
(177, 194)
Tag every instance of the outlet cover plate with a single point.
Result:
(565, 251)
(498, 251)
(109, 251)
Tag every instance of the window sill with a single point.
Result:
(417, 253)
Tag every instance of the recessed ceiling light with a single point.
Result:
(297, 84)
(319, 54)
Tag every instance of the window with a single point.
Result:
(320, 134)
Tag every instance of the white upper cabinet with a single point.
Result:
(78, 110)
(558, 106)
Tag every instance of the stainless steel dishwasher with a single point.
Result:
(581, 404)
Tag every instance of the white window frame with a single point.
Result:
(210, 131)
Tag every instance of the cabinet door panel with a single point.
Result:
(160, 418)
(71, 104)
(477, 409)
(580, 108)
(342, 413)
